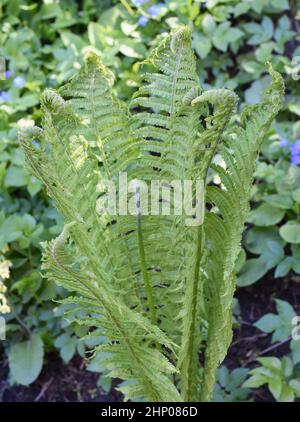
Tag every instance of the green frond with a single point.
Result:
(131, 354)
(158, 289)
(224, 103)
(104, 117)
(223, 233)
(162, 116)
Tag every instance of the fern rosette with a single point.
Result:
(157, 285)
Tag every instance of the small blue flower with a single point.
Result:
(8, 74)
(295, 147)
(154, 10)
(19, 82)
(138, 3)
(4, 96)
(143, 20)
(295, 152)
(284, 143)
(36, 144)
(295, 159)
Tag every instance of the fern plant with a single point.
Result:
(158, 289)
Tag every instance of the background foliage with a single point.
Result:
(43, 44)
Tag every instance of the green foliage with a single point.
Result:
(26, 360)
(274, 234)
(281, 326)
(290, 231)
(44, 42)
(229, 385)
(281, 375)
(87, 136)
(255, 268)
(278, 374)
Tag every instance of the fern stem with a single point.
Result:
(147, 283)
(212, 136)
(195, 288)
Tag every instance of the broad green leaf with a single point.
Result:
(282, 201)
(253, 270)
(132, 48)
(105, 383)
(265, 215)
(295, 251)
(258, 5)
(34, 186)
(255, 381)
(284, 267)
(219, 38)
(67, 346)
(268, 323)
(49, 11)
(241, 8)
(287, 394)
(296, 195)
(272, 363)
(201, 44)
(295, 348)
(285, 310)
(280, 4)
(10, 230)
(281, 324)
(223, 375)
(26, 360)
(208, 24)
(290, 231)
(273, 253)
(16, 177)
(295, 385)
(264, 52)
(96, 36)
(275, 386)
(68, 349)
(256, 238)
(287, 366)
(237, 377)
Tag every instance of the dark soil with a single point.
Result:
(57, 383)
(255, 301)
(72, 383)
(249, 342)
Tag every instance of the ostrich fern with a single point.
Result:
(158, 289)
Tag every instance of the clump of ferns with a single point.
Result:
(158, 289)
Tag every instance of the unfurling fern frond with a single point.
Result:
(157, 288)
(129, 358)
(224, 229)
(224, 103)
